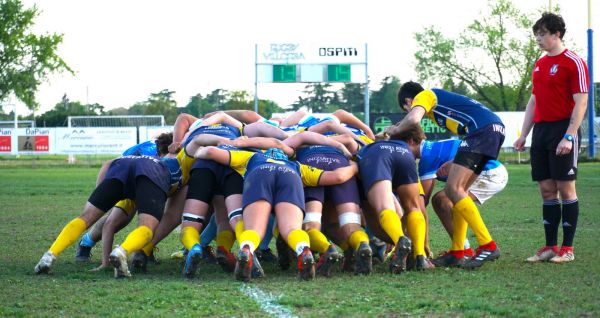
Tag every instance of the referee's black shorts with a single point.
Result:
(545, 164)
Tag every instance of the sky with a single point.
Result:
(122, 51)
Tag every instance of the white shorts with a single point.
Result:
(489, 183)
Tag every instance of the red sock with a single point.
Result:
(458, 254)
(491, 246)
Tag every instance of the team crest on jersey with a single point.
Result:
(537, 69)
(554, 69)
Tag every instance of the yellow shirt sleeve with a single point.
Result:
(310, 175)
(238, 159)
(425, 99)
(185, 162)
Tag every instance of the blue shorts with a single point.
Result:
(486, 141)
(337, 194)
(387, 160)
(274, 183)
(127, 169)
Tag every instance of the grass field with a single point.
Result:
(38, 199)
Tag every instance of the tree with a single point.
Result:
(318, 99)
(26, 59)
(385, 99)
(57, 117)
(160, 103)
(494, 56)
(353, 97)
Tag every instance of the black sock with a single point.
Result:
(551, 213)
(570, 213)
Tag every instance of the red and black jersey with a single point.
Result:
(555, 80)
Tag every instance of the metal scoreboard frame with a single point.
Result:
(311, 63)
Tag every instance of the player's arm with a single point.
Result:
(413, 117)
(261, 143)
(221, 118)
(262, 129)
(245, 116)
(312, 138)
(519, 144)
(203, 140)
(428, 185)
(349, 119)
(294, 118)
(565, 146)
(180, 128)
(339, 175)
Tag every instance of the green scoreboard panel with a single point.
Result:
(338, 73)
(285, 73)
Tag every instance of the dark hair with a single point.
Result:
(162, 143)
(408, 90)
(550, 22)
(413, 132)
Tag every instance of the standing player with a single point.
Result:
(555, 111)
(482, 136)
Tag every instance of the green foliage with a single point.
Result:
(160, 103)
(26, 59)
(385, 99)
(38, 200)
(319, 98)
(57, 117)
(493, 56)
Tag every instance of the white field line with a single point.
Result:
(267, 302)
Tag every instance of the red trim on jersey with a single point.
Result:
(555, 80)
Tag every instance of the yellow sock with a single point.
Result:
(318, 241)
(239, 228)
(137, 239)
(391, 224)
(297, 240)
(251, 238)
(469, 211)
(225, 239)
(189, 237)
(358, 237)
(415, 223)
(147, 249)
(69, 234)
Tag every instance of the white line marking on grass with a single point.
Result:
(267, 302)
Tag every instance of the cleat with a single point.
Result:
(326, 261)
(447, 259)
(83, 254)
(257, 270)
(266, 255)
(192, 260)
(118, 259)
(208, 255)
(422, 263)
(179, 254)
(565, 255)
(283, 253)
(364, 259)
(544, 254)
(483, 255)
(306, 265)
(139, 261)
(468, 253)
(378, 248)
(398, 261)
(243, 266)
(348, 263)
(225, 259)
(43, 266)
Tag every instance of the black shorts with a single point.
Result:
(338, 194)
(545, 164)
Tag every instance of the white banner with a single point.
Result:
(106, 140)
(311, 53)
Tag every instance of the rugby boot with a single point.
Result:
(544, 254)
(398, 261)
(378, 247)
(266, 255)
(348, 264)
(482, 256)
(306, 265)
(257, 270)
(139, 261)
(45, 263)
(225, 259)
(83, 254)
(564, 255)
(118, 259)
(192, 260)
(447, 259)
(283, 253)
(364, 259)
(243, 266)
(208, 255)
(326, 261)
(422, 263)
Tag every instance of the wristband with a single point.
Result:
(568, 137)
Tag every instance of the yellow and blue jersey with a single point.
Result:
(457, 113)
(223, 130)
